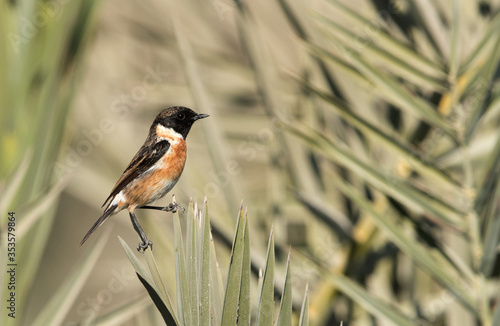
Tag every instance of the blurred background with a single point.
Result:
(364, 132)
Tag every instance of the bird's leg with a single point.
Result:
(172, 207)
(145, 241)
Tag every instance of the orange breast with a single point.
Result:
(173, 162)
(158, 182)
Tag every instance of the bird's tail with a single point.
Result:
(107, 213)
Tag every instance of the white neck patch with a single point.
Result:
(169, 134)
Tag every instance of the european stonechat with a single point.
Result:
(153, 171)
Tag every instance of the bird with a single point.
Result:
(153, 171)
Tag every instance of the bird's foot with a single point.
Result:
(174, 207)
(144, 244)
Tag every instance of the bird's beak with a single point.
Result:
(200, 116)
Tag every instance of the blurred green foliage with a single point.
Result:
(42, 47)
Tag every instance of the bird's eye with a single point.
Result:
(181, 116)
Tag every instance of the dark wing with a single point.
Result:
(145, 158)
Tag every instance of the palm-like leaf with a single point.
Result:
(197, 286)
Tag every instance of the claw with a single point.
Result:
(173, 207)
(143, 245)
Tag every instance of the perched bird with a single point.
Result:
(153, 171)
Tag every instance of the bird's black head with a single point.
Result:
(179, 118)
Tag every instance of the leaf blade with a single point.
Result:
(266, 301)
(285, 317)
(231, 300)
